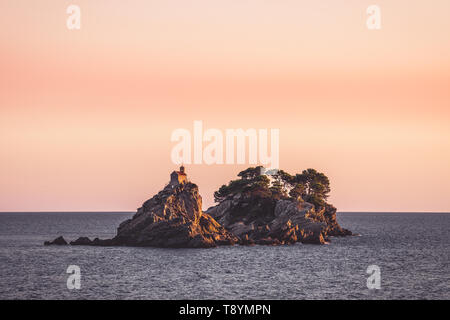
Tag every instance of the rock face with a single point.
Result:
(173, 218)
(276, 222)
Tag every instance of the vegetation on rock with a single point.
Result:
(309, 186)
(277, 208)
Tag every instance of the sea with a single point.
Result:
(394, 256)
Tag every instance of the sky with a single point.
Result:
(86, 115)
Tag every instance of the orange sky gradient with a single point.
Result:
(86, 115)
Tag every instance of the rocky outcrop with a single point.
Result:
(257, 221)
(85, 241)
(60, 241)
(173, 218)
(252, 210)
(327, 215)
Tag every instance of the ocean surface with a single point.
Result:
(411, 250)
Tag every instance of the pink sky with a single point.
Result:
(86, 116)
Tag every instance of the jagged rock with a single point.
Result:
(104, 242)
(60, 241)
(245, 240)
(172, 218)
(82, 241)
(288, 221)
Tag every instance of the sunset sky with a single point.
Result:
(86, 115)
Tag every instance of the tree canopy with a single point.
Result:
(310, 185)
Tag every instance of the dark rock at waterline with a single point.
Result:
(82, 241)
(60, 241)
(85, 241)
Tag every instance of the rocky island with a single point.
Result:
(277, 208)
(266, 208)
